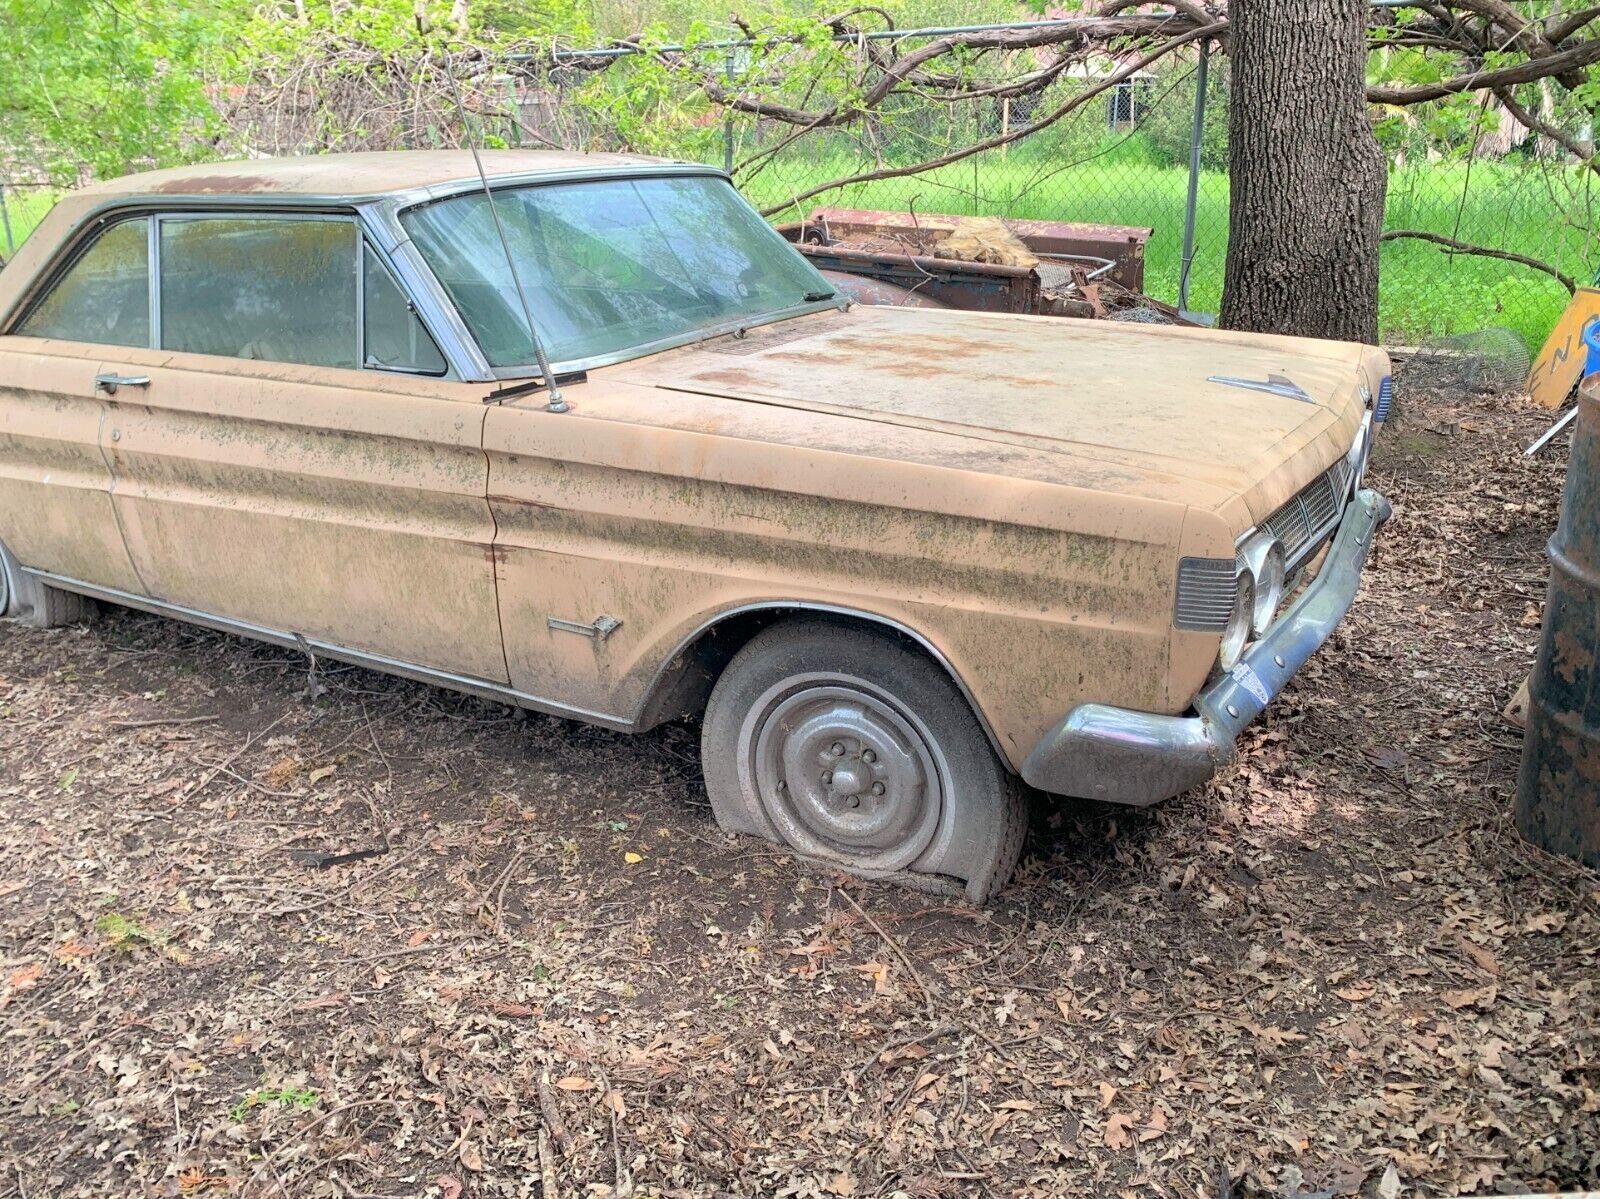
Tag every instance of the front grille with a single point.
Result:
(1303, 523)
(1205, 594)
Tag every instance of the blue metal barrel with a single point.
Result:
(1558, 790)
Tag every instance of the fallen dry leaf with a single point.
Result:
(1484, 959)
(879, 974)
(1117, 1135)
(1389, 1184)
(1155, 1126)
(576, 1082)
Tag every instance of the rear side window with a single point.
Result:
(104, 298)
(269, 288)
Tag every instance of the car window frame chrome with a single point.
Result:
(384, 264)
(378, 216)
(67, 257)
(464, 363)
(351, 218)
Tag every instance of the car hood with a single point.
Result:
(1139, 399)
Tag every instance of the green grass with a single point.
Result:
(24, 208)
(1423, 290)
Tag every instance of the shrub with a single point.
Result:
(1170, 118)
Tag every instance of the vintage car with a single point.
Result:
(895, 560)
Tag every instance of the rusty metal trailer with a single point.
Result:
(889, 258)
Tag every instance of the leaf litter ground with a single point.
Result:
(388, 941)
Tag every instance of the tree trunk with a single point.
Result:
(1306, 177)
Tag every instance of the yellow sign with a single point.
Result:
(1559, 365)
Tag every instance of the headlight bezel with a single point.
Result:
(1236, 633)
(1263, 556)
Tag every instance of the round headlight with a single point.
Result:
(1237, 633)
(1263, 558)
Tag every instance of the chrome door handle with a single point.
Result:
(109, 383)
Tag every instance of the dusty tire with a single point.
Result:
(30, 602)
(852, 748)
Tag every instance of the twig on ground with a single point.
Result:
(157, 723)
(550, 1110)
(899, 951)
(547, 1167)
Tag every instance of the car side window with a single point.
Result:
(104, 297)
(277, 289)
(395, 337)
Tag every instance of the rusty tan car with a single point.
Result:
(896, 561)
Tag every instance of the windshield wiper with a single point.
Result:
(812, 297)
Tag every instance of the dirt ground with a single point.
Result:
(1336, 970)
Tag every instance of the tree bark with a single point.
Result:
(1306, 177)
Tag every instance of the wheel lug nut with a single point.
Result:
(878, 788)
(855, 801)
(827, 779)
(868, 756)
(838, 749)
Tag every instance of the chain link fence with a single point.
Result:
(1149, 151)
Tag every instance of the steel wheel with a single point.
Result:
(843, 773)
(852, 748)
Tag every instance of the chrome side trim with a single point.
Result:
(483, 688)
(1103, 752)
(886, 622)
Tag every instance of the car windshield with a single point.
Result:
(608, 265)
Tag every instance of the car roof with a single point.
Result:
(352, 176)
(339, 178)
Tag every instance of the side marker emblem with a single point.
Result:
(1278, 385)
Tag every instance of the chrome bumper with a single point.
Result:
(1102, 752)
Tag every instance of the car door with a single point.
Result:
(56, 513)
(289, 456)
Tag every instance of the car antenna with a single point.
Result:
(555, 403)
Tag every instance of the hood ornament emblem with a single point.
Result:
(1278, 385)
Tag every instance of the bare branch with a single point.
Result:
(1573, 58)
(1126, 71)
(1558, 31)
(1580, 148)
(1462, 247)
